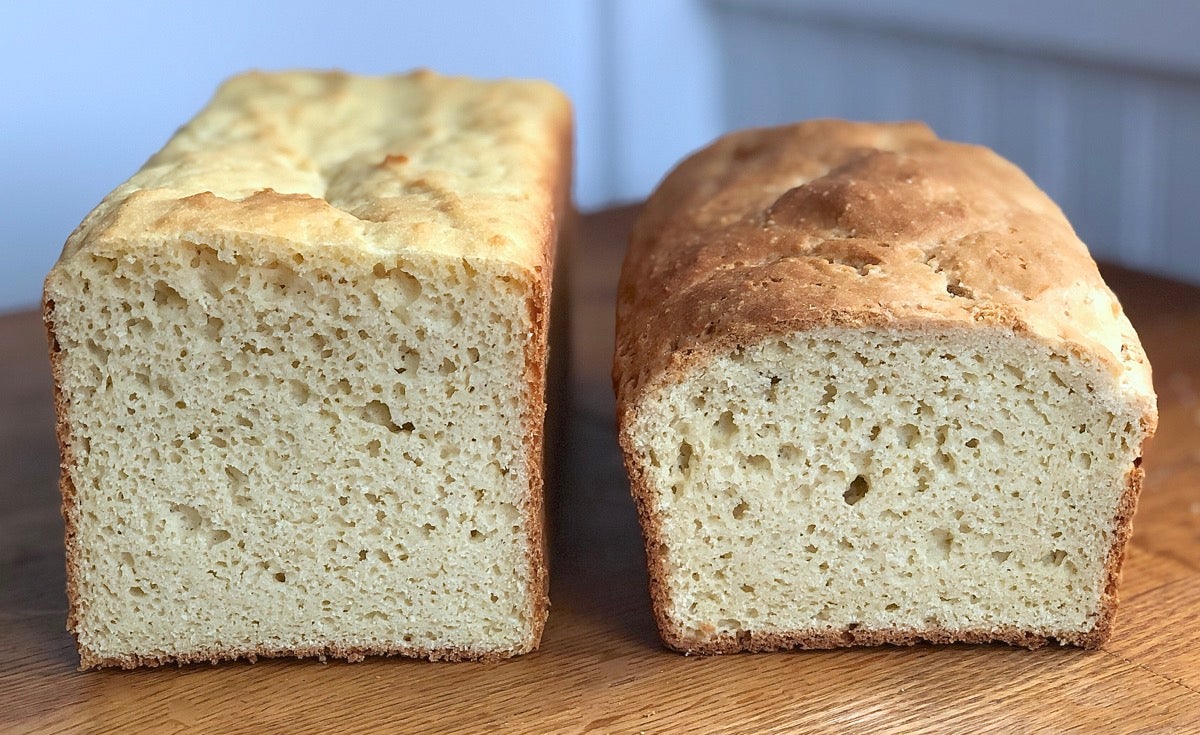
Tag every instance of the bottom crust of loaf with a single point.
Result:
(761, 641)
(348, 653)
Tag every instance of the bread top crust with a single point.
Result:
(834, 223)
(354, 168)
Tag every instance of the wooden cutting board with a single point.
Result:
(601, 668)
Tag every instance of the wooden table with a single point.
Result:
(601, 668)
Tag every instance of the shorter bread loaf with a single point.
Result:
(300, 359)
(872, 389)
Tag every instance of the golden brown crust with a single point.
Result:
(829, 223)
(327, 161)
(1123, 531)
(837, 224)
(235, 169)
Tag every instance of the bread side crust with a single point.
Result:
(66, 487)
(726, 254)
(133, 217)
(537, 365)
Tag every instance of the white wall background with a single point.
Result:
(1100, 102)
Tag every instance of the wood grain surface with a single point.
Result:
(601, 668)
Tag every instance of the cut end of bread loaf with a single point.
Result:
(276, 458)
(837, 487)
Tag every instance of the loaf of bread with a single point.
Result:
(872, 389)
(300, 361)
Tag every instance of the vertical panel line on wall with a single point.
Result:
(1142, 179)
(1051, 134)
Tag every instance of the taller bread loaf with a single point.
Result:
(872, 389)
(300, 359)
